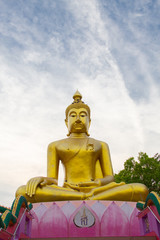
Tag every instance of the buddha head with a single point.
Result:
(78, 116)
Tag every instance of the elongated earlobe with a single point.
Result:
(66, 122)
(68, 134)
(87, 133)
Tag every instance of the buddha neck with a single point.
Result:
(78, 135)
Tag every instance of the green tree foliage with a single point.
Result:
(146, 170)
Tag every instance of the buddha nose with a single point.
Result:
(78, 120)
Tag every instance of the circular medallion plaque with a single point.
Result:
(84, 218)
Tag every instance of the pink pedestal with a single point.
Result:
(84, 222)
(84, 219)
(134, 224)
(53, 223)
(114, 222)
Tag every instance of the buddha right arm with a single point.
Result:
(52, 161)
(52, 172)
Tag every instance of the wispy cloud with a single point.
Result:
(108, 50)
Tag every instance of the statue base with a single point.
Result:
(89, 219)
(82, 220)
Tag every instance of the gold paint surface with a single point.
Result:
(87, 165)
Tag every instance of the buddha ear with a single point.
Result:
(66, 122)
(89, 122)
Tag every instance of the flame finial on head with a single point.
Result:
(77, 96)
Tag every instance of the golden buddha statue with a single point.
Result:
(87, 164)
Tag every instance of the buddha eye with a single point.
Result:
(72, 115)
(83, 115)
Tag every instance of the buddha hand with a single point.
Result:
(33, 183)
(94, 183)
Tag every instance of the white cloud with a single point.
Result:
(40, 70)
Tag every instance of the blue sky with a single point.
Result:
(108, 50)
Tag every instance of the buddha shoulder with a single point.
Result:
(67, 143)
(54, 145)
(98, 144)
(57, 145)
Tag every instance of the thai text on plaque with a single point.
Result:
(84, 218)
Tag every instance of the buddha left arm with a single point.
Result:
(106, 165)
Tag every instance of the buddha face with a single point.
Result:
(78, 121)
